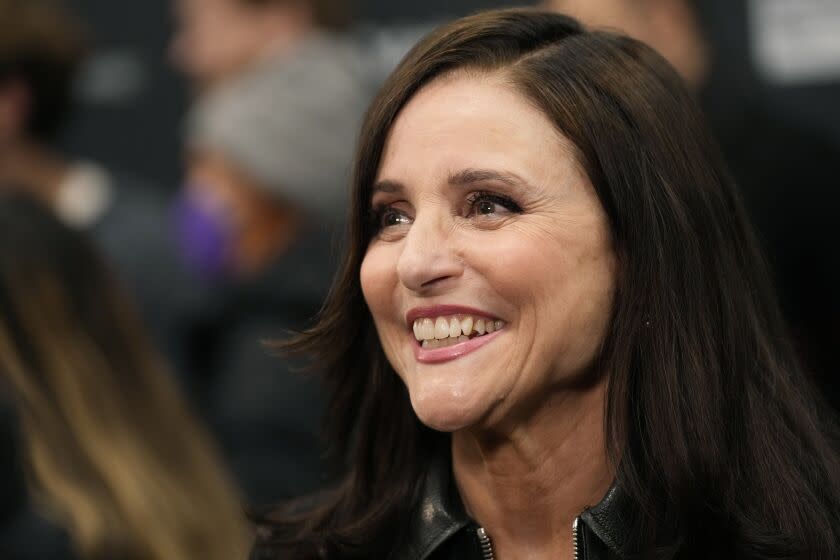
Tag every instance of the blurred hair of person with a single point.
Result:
(785, 172)
(41, 48)
(111, 452)
(216, 39)
(25, 533)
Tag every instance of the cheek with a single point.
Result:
(379, 282)
(579, 305)
(560, 289)
(378, 277)
(520, 270)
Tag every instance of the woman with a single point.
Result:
(111, 453)
(552, 336)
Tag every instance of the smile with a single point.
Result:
(447, 335)
(446, 331)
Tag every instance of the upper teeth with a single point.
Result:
(454, 327)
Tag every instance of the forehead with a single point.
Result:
(472, 120)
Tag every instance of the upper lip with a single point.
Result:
(433, 311)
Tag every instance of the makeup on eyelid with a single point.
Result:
(379, 212)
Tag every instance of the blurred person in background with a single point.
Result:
(261, 255)
(110, 451)
(787, 175)
(216, 39)
(266, 157)
(282, 87)
(41, 49)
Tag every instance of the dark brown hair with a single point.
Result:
(710, 421)
(42, 45)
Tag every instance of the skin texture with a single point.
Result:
(526, 409)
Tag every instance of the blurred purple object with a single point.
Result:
(204, 238)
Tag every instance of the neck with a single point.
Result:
(526, 485)
(31, 167)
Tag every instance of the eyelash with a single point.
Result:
(504, 201)
(377, 213)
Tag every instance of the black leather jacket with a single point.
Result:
(440, 529)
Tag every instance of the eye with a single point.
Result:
(387, 217)
(488, 204)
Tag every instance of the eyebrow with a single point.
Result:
(387, 186)
(465, 177)
(472, 176)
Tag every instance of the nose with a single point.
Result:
(429, 261)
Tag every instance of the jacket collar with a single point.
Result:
(612, 521)
(439, 514)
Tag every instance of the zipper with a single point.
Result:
(575, 543)
(487, 546)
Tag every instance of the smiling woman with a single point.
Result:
(482, 230)
(552, 336)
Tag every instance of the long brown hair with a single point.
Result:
(711, 424)
(112, 453)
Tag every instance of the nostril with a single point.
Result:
(435, 281)
(427, 263)
(429, 279)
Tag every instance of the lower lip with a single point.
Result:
(439, 355)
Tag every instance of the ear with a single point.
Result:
(15, 108)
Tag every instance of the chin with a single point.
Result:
(447, 410)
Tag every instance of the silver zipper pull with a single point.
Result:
(485, 543)
(575, 543)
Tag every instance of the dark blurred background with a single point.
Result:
(132, 100)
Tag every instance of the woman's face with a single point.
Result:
(485, 217)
